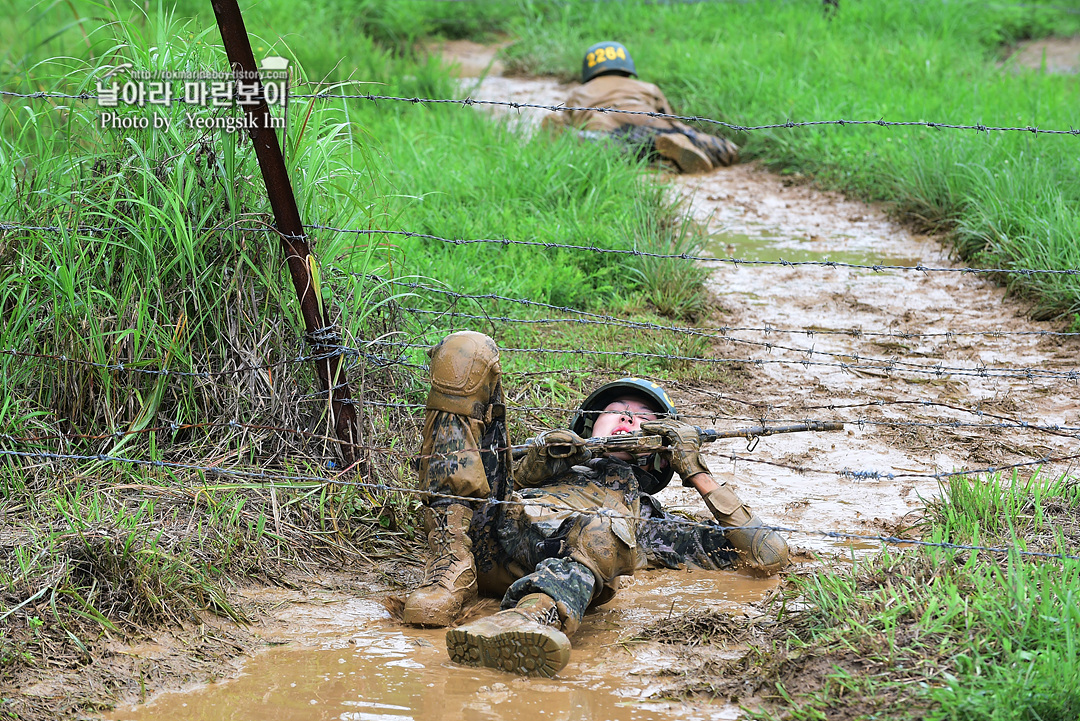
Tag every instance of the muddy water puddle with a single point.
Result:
(766, 246)
(350, 661)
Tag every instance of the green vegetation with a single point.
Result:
(180, 274)
(922, 633)
(1008, 199)
(185, 277)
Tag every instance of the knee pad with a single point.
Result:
(465, 375)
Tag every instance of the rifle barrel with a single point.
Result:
(638, 442)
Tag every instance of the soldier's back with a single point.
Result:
(621, 93)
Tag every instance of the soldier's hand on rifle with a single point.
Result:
(683, 446)
(549, 454)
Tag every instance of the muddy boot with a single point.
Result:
(525, 639)
(678, 148)
(720, 151)
(760, 547)
(450, 573)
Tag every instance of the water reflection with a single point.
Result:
(381, 671)
(795, 249)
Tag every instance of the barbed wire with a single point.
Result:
(717, 332)
(734, 262)
(604, 513)
(1058, 430)
(331, 351)
(730, 456)
(816, 3)
(515, 105)
(174, 427)
(888, 366)
(1007, 423)
(769, 347)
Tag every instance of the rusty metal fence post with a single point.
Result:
(330, 362)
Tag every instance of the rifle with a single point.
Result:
(638, 442)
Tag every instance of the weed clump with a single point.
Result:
(922, 633)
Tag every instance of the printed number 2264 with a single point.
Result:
(602, 54)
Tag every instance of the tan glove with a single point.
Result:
(762, 548)
(684, 446)
(551, 454)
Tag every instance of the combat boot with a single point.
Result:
(526, 639)
(678, 148)
(760, 547)
(450, 573)
(720, 151)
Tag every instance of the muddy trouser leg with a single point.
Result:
(670, 542)
(759, 546)
(577, 566)
(464, 456)
(636, 141)
(720, 150)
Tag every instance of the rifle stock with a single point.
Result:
(638, 442)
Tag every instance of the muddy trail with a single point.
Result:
(888, 344)
(885, 351)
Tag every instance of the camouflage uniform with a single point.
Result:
(573, 552)
(635, 134)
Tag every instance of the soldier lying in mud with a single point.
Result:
(551, 535)
(607, 76)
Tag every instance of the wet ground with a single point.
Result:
(894, 331)
(346, 659)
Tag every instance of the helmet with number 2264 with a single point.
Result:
(606, 58)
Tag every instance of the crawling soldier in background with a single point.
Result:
(553, 537)
(607, 74)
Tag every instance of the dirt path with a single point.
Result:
(757, 215)
(346, 658)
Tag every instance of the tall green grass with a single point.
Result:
(1010, 198)
(952, 635)
(185, 277)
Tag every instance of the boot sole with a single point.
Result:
(542, 651)
(688, 161)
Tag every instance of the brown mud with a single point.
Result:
(338, 654)
(343, 657)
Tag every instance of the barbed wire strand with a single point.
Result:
(768, 346)
(274, 478)
(1008, 422)
(1030, 374)
(734, 262)
(516, 105)
(708, 332)
(1062, 431)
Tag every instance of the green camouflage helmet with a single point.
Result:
(648, 392)
(606, 58)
